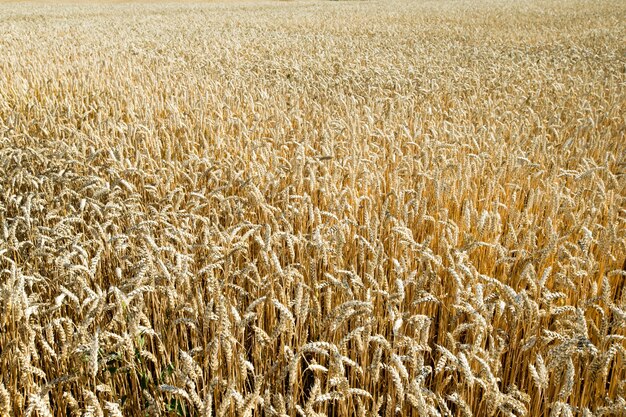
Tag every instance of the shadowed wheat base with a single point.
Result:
(313, 208)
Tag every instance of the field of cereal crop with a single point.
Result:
(313, 208)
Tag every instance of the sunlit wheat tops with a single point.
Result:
(313, 209)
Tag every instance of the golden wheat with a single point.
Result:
(313, 208)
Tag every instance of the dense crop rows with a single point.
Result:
(313, 208)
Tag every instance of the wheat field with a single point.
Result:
(313, 208)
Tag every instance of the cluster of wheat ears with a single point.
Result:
(313, 208)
